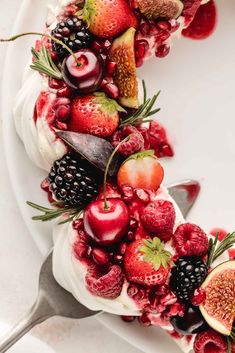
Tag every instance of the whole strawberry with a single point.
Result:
(108, 18)
(158, 218)
(95, 114)
(147, 262)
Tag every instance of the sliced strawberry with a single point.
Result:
(108, 18)
(147, 262)
(142, 170)
(204, 22)
(95, 114)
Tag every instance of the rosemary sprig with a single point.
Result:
(215, 249)
(51, 213)
(229, 345)
(144, 112)
(44, 64)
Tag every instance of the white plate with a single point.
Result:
(28, 344)
(197, 100)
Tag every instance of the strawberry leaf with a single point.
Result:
(108, 105)
(155, 253)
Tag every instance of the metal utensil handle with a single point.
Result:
(40, 312)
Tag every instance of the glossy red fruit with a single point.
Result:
(204, 22)
(190, 240)
(210, 342)
(141, 170)
(147, 262)
(95, 115)
(105, 283)
(109, 18)
(85, 74)
(106, 226)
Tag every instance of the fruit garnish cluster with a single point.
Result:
(108, 185)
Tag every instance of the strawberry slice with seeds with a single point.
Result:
(141, 170)
(147, 262)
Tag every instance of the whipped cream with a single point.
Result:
(40, 141)
(70, 272)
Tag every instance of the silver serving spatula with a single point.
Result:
(53, 300)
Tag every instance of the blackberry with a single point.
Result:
(186, 276)
(74, 33)
(72, 180)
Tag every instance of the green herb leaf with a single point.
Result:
(144, 112)
(51, 213)
(44, 64)
(216, 250)
(154, 252)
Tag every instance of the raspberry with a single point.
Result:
(210, 342)
(134, 144)
(158, 218)
(190, 240)
(105, 284)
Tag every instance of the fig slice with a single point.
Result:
(123, 54)
(219, 307)
(95, 149)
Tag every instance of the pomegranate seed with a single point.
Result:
(62, 101)
(154, 301)
(141, 46)
(165, 25)
(130, 236)
(160, 308)
(127, 193)
(100, 256)
(62, 112)
(161, 290)
(162, 51)
(111, 67)
(111, 90)
(139, 62)
(198, 297)
(153, 31)
(77, 224)
(162, 36)
(175, 309)
(106, 44)
(144, 29)
(96, 46)
(168, 299)
(174, 27)
(132, 290)
(122, 248)
(133, 223)
(45, 185)
(56, 84)
(118, 259)
(80, 250)
(128, 318)
(166, 151)
(61, 126)
(54, 56)
(144, 320)
(64, 92)
(142, 195)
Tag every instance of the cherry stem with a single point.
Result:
(106, 207)
(13, 38)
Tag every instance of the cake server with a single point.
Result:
(54, 300)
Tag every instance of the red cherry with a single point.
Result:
(86, 73)
(106, 226)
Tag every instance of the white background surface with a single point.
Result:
(20, 261)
